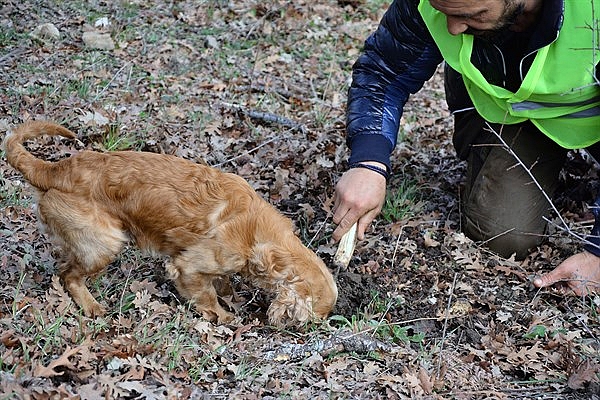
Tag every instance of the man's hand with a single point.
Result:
(359, 196)
(578, 274)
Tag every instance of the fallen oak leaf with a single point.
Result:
(9, 339)
(508, 271)
(63, 361)
(243, 329)
(586, 372)
(426, 380)
(429, 241)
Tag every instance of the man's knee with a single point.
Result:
(503, 205)
(504, 240)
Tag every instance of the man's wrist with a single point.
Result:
(374, 166)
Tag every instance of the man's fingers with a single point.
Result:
(564, 280)
(363, 226)
(343, 227)
(548, 279)
(541, 281)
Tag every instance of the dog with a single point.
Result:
(210, 223)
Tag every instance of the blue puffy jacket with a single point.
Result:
(397, 60)
(400, 56)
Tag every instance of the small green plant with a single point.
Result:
(202, 364)
(49, 334)
(541, 331)
(17, 294)
(538, 331)
(114, 141)
(371, 319)
(8, 35)
(396, 333)
(127, 302)
(245, 369)
(11, 194)
(82, 87)
(401, 202)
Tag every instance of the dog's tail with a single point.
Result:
(41, 174)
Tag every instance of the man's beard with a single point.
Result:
(512, 11)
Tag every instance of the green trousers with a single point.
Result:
(503, 207)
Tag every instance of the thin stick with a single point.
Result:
(527, 169)
(248, 151)
(268, 117)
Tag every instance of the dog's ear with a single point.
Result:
(267, 263)
(271, 268)
(290, 306)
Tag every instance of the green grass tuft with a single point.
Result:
(401, 202)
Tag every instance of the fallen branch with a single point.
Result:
(275, 119)
(268, 117)
(343, 341)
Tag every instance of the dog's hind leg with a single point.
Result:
(73, 275)
(89, 237)
(200, 290)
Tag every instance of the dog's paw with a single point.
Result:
(225, 317)
(218, 317)
(93, 310)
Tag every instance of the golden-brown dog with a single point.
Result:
(209, 222)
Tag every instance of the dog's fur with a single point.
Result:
(209, 222)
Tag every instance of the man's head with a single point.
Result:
(487, 17)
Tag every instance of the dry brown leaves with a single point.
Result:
(258, 88)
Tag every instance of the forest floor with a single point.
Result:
(258, 88)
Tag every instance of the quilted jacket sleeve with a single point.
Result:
(396, 61)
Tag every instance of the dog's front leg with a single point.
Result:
(199, 289)
(205, 300)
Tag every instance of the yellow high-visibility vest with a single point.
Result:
(559, 94)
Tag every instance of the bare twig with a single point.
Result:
(396, 246)
(583, 323)
(121, 299)
(567, 230)
(245, 153)
(446, 316)
(527, 169)
(565, 227)
(321, 226)
(111, 81)
(61, 85)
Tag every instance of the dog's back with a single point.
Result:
(164, 202)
